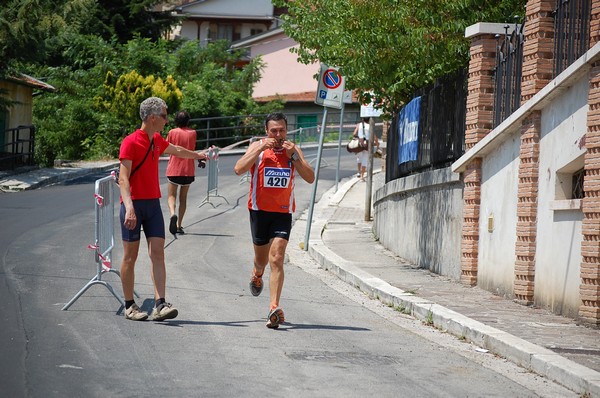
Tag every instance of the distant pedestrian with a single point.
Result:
(140, 205)
(272, 162)
(362, 131)
(180, 172)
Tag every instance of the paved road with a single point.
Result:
(337, 342)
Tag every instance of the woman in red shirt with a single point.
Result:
(180, 171)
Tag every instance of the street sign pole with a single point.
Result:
(370, 169)
(314, 191)
(330, 92)
(346, 99)
(339, 154)
(369, 110)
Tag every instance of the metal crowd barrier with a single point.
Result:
(246, 177)
(104, 236)
(212, 186)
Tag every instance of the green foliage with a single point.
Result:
(68, 117)
(19, 38)
(40, 30)
(104, 57)
(390, 47)
(122, 95)
(48, 32)
(126, 19)
(100, 87)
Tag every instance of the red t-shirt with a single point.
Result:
(272, 183)
(144, 183)
(184, 137)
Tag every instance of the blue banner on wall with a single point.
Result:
(408, 131)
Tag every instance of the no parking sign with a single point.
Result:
(330, 91)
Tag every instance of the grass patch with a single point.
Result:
(429, 318)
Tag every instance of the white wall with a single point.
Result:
(190, 30)
(499, 187)
(558, 234)
(419, 218)
(234, 9)
(258, 8)
(558, 254)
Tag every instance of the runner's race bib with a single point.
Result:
(276, 178)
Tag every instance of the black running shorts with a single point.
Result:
(266, 225)
(149, 215)
(181, 180)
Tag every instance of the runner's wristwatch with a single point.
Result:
(294, 157)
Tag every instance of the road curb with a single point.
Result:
(69, 175)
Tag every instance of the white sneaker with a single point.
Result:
(164, 311)
(134, 313)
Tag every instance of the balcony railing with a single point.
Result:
(19, 151)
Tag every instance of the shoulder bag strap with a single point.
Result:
(365, 142)
(145, 156)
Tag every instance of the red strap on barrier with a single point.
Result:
(106, 264)
(213, 153)
(99, 199)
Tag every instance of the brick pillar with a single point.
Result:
(479, 122)
(537, 73)
(527, 208)
(470, 227)
(589, 290)
(538, 47)
(480, 89)
(595, 23)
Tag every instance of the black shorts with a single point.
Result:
(181, 180)
(266, 225)
(149, 215)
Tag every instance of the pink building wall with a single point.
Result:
(282, 74)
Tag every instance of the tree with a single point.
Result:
(43, 31)
(103, 56)
(125, 19)
(22, 40)
(40, 30)
(101, 85)
(389, 47)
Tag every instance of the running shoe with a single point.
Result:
(134, 313)
(173, 225)
(275, 318)
(180, 231)
(164, 311)
(256, 285)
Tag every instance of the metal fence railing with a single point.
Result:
(508, 73)
(226, 131)
(441, 128)
(571, 32)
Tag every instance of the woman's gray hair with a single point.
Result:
(152, 106)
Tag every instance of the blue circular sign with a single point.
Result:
(332, 79)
